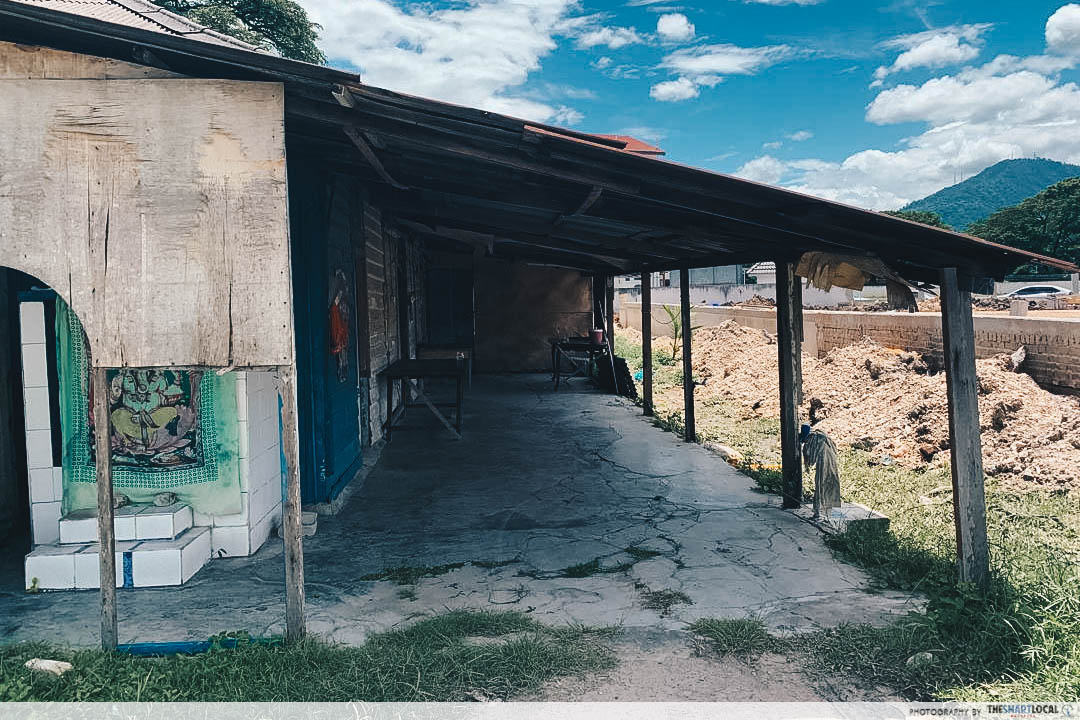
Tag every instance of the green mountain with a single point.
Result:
(998, 186)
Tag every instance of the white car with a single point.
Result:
(1036, 291)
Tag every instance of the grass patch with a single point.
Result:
(428, 661)
(664, 600)
(410, 575)
(745, 638)
(1018, 640)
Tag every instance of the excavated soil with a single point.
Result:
(893, 404)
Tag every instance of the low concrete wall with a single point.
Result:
(1053, 344)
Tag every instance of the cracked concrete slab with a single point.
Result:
(541, 482)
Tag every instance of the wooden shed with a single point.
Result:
(206, 211)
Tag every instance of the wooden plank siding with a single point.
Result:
(131, 214)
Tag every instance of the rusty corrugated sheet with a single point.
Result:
(139, 14)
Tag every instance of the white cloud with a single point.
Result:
(644, 132)
(786, 2)
(566, 116)
(674, 90)
(609, 36)
(674, 27)
(1007, 108)
(934, 49)
(800, 136)
(1063, 30)
(774, 145)
(961, 97)
(724, 59)
(764, 169)
(706, 66)
(474, 54)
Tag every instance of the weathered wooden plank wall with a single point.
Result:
(167, 232)
(42, 63)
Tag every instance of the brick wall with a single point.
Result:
(1053, 345)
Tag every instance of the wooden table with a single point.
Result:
(562, 347)
(410, 370)
(450, 351)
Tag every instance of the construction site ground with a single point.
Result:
(887, 412)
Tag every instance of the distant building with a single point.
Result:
(699, 277)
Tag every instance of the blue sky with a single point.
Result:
(872, 102)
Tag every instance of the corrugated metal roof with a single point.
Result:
(140, 14)
(542, 193)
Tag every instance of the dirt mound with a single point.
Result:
(893, 403)
(630, 334)
(756, 301)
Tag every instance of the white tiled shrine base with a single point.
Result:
(139, 563)
(131, 522)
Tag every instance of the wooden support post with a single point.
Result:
(789, 355)
(646, 343)
(290, 511)
(800, 330)
(106, 534)
(687, 360)
(965, 447)
(609, 311)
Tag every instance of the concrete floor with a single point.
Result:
(540, 482)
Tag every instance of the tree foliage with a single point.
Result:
(926, 217)
(1047, 223)
(281, 26)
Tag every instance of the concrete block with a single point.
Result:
(79, 527)
(236, 519)
(58, 483)
(42, 488)
(262, 500)
(262, 529)
(170, 562)
(37, 414)
(266, 470)
(243, 466)
(39, 449)
(241, 397)
(155, 523)
(88, 568)
(51, 567)
(841, 518)
(124, 522)
(230, 541)
(45, 518)
(196, 553)
(35, 366)
(243, 439)
(32, 322)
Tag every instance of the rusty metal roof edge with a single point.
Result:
(284, 69)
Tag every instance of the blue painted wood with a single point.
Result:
(330, 438)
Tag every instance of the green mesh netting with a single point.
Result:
(186, 444)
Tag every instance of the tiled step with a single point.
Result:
(139, 563)
(132, 522)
